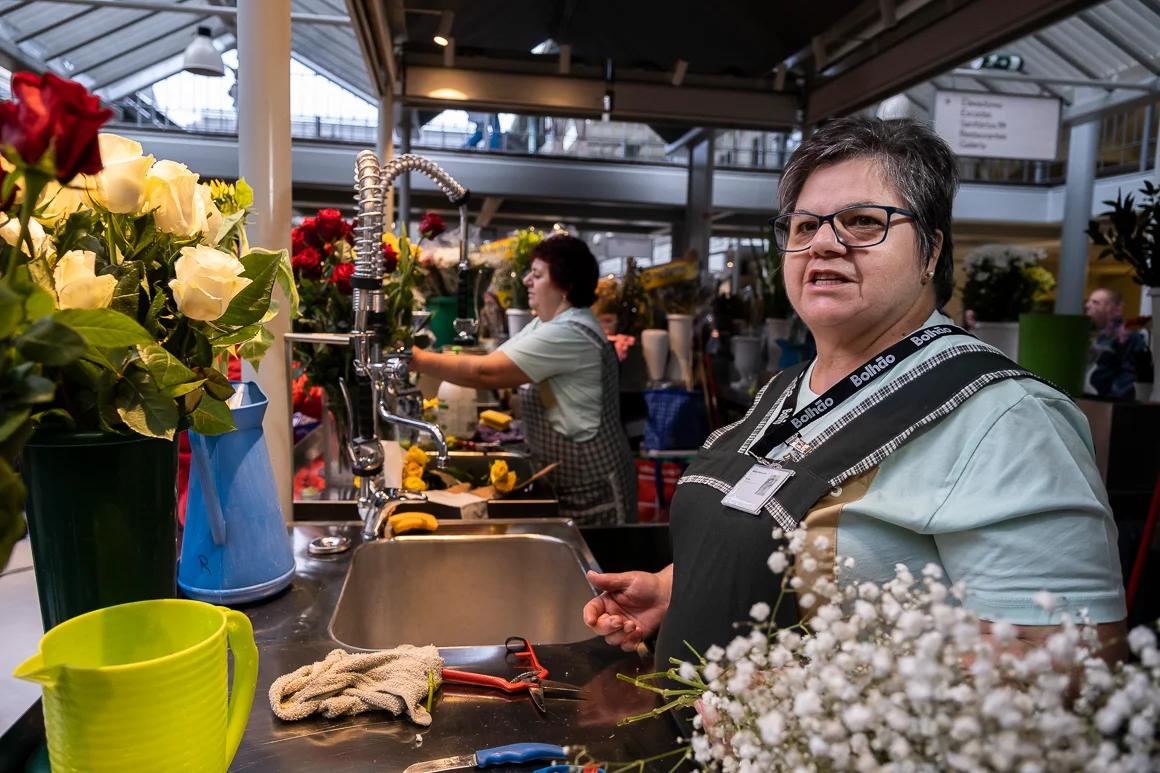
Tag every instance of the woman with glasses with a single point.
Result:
(905, 441)
(568, 376)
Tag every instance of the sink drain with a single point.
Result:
(328, 546)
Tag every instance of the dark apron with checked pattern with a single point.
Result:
(720, 554)
(596, 479)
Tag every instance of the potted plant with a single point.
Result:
(1004, 281)
(146, 274)
(1131, 234)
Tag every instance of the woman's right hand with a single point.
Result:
(631, 607)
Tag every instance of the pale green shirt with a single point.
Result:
(558, 355)
(1003, 494)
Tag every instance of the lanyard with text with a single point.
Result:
(785, 426)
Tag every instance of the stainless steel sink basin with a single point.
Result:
(474, 583)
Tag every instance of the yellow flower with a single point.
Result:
(417, 456)
(505, 484)
(414, 484)
(412, 470)
(431, 405)
(499, 471)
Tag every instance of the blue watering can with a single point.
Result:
(236, 548)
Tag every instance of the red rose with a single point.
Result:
(298, 240)
(331, 227)
(341, 277)
(307, 263)
(57, 116)
(390, 258)
(431, 226)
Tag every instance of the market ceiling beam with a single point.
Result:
(487, 210)
(224, 11)
(373, 31)
(1116, 101)
(924, 44)
(459, 88)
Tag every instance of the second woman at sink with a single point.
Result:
(567, 373)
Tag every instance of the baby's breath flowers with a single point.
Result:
(901, 677)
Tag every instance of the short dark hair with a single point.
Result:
(915, 160)
(571, 266)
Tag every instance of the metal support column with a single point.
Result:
(386, 149)
(1146, 138)
(699, 199)
(1077, 210)
(264, 159)
(404, 182)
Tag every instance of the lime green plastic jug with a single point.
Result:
(143, 687)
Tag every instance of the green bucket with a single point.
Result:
(1055, 346)
(444, 309)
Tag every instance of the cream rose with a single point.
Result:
(10, 233)
(78, 286)
(120, 186)
(213, 215)
(59, 201)
(173, 193)
(207, 280)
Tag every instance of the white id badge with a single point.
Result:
(756, 488)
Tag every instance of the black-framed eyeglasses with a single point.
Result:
(858, 226)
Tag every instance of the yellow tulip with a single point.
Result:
(414, 484)
(431, 405)
(412, 470)
(505, 484)
(499, 470)
(416, 455)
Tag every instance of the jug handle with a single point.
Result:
(199, 451)
(240, 635)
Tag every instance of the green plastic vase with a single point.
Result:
(102, 518)
(444, 309)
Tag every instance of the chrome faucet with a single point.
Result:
(394, 399)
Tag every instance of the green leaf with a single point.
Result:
(143, 407)
(50, 342)
(11, 312)
(128, 290)
(217, 385)
(11, 509)
(212, 417)
(54, 417)
(253, 350)
(239, 336)
(167, 371)
(37, 389)
(243, 193)
(105, 327)
(251, 303)
(38, 302)
(289, 286)
(153, 316)
(13, 420)
(111, 358)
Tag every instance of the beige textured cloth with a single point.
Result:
(348, 683)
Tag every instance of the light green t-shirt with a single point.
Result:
(555, 353)
(1003, 494)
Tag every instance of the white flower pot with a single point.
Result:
(1004, 336)
(746, 356)
(681, 346)
(654, 345)
(517, 319)
(776, 329)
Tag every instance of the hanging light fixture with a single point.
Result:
(201, 57)
(443, 32)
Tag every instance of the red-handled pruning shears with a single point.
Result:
(532, 679)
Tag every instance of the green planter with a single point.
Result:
(1055, 346)
(102, 517)
(444, 309)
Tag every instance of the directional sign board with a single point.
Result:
(998, 125)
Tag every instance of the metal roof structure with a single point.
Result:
(1103, 59)
(117, 48)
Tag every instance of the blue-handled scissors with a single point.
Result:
(511, 754)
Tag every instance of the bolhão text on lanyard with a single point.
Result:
(763, 480)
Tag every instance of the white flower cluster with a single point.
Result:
(900, 677)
